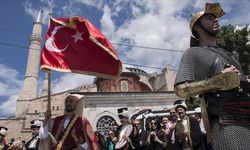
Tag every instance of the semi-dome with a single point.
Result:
(134, 70)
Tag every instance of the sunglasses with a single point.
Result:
(172, 113)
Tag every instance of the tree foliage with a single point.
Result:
(193, 103)
(236, 41)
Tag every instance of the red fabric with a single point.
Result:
(81, 124)
(90, 134)
(90, 54)
(69, 142)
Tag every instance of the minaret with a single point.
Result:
(45, 85)
(30, 86)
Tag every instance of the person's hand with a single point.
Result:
(114, 140)
(47, 115)
(125, 137)
(18, 145)
(152, 133)
(156, 139)
(167, 130)
(231, 68)
(140, 142)
(185, 132)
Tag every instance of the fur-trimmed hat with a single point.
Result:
(36, 123)
(180, 103)
(75, 97)
(123, 112)
(3, 131)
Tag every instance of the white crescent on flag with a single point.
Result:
(49, 42)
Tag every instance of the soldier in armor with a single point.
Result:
(217, 77)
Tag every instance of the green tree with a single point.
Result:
(236, 41)
(193, 103)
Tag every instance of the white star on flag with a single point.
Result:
(77, 36)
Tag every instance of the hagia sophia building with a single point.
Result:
(134, 89)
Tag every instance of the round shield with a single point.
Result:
(125, 131)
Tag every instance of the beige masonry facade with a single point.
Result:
(99, 107)
(134, 89)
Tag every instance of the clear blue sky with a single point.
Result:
(150, 23)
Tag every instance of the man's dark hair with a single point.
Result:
(195, 33)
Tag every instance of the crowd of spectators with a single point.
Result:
(176, 131)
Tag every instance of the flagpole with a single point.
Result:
(49, 95)
(49, 106)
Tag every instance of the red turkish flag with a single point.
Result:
(75, 45)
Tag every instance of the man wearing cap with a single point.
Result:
(188, 134)
(215, 75)
(33, 143)
(3, 133)
(70, 131)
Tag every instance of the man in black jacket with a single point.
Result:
(139, 136)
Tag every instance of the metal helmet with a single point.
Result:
(194, 18)
(214, 9)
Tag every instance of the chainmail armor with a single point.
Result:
(196, 65)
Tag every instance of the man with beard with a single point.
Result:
(217, 77)
(70, 131)
(139, 136)
(188, 134)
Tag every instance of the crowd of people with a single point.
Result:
(30, 144)
(71, 132)
(206, 71)
(176, 131)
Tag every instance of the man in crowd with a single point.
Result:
(70, 131)
(127, 126)
(124, 118)
(188, 133)
(33, 143)
(3, 133)
(215, 75)
(171, 128)
(139, 136)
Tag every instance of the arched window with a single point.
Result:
(124, 86)
(104, 124)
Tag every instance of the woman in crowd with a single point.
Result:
(156, 140)
(101, 141)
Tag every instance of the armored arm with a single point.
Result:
(224, 81)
